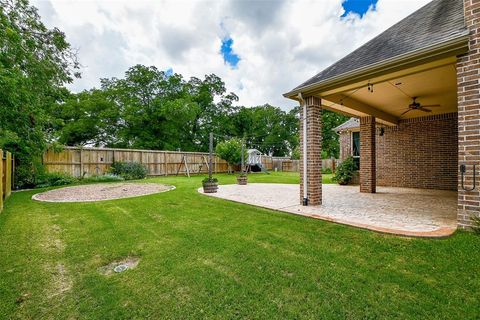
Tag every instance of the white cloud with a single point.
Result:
(280, 43)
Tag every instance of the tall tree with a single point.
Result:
(267, 128)
(35, 62)
(87, 118)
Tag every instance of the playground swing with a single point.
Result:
(197, 166)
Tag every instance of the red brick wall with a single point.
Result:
(345, 138)
(419, 153)
(314, 156)
(367, 155)
(468, 76)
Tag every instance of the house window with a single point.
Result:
(356, 148)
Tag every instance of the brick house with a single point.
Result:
(414, 93)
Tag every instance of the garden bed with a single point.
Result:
(100, 192)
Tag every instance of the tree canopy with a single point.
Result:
(35, 63)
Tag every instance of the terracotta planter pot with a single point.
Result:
(210, 187)
(242, 180)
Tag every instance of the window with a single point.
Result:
(356, 148)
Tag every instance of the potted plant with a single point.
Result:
(210, 185)
(242, 179)
(345, 171)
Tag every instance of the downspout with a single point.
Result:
(305, 191)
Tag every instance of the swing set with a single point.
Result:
(192, 168)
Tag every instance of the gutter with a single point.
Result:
(454, 46)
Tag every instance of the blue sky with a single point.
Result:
(229, 57)
(357, 6)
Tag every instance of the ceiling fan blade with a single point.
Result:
(406, 111)
(424, 110)
(431, 106)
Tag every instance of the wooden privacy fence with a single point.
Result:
(294, 165)
(80, 162)
(6, 172)
(88, 161)
(290, 166)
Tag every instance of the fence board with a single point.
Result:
(6, 176)
(97, 161)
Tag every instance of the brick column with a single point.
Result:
(468, 80)
(368, 170)
(314, 151)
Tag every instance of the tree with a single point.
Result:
(267, 128)
(230, 151)
(330, 144)
(35, 63)
(86, 118)
(160, 111)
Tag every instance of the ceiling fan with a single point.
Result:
(418, 106)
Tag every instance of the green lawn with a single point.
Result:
(203, 257)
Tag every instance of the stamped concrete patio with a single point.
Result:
(401, 211)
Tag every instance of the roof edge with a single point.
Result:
(456, 45)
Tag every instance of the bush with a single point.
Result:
(207, 180)
(345, 171)
(476, 224)
(128, 170)
(327, 171)
(52, 179)
(104, 178)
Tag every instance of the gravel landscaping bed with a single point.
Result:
(101, 191)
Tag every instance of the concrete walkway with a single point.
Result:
(401, 211)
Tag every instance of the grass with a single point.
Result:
(203, 257)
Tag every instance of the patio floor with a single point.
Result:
(401, 211)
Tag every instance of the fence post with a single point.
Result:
(13, 172)
(165, 163)
(81, 163)
(1, 180)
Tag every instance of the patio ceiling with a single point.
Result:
(432, 84)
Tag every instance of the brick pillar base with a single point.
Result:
(368, 172)
(468, 82)
(314, 151)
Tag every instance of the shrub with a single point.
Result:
(476, 224)
(345, 171)
(327, 171)
(51, 179)
(128, 170)
(207, 180)
(103, 178)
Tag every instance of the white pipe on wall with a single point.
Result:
(305, 191)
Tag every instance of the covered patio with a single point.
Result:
(400, 211)
(415, 89)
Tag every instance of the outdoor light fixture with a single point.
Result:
(370, 87)
(382, 131)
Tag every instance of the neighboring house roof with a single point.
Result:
(351, 123)
(437, 22)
